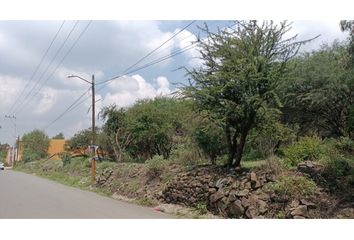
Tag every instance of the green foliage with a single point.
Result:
(35, 145)
(59, 136)
(239, 77)
(200, 208)
(65, 158)
(307, 148)
(293, 186)
(150, 127)
(210, 139)
(186, 154)
(3, 151)
(338, 173)
(344, 144)
(318, 93)
(156, 165)
(81, 139)
(266, 139)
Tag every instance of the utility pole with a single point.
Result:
(13, 155)
(93, 141)
(18, 147)
(93, 131)
(93, 111)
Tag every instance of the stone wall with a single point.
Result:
(237, 195)
(233, 195)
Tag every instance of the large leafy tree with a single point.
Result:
(146, 129)
(238, 78)
(35, 145)
(348, 26)
(318, 95)
(117, 131)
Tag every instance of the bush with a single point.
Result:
(344, 144)
(307, 148)
(65, 158)
(35, 145)
(337, 173)
(293, 186)
(185, 154)
(156, 165)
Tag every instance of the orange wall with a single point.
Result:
(56, 146)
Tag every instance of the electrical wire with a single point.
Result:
(61, 61)
(48, 66)
(68, 109)
(126, 71)
(37, 68)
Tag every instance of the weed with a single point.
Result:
(293, 186)
(307, 148)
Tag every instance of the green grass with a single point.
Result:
(252, 164)
(76, 174)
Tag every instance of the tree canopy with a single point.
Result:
(237, 82)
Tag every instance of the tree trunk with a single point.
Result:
(244, 133)
(239, 150)
(231, 146)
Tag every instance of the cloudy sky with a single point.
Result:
(36, 96)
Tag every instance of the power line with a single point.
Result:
(76, 103)
(48, 66)
(133, 65)
(68, 109)
(37, 68)
(173, 36)
(62, 60)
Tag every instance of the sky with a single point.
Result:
(36, 96)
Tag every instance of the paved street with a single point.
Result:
(27, 196)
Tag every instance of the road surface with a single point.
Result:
(26, 196)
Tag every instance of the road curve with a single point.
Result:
(24, 196)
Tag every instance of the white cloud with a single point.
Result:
(47, 101)
(127, 90)
(186, 39)
(9, 89)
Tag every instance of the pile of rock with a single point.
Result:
(238, 195)
(311, 168)
(188, 188)
(104, 178)
(241, 196)
(299, 209)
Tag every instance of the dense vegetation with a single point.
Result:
(255, 99)
(35, 145)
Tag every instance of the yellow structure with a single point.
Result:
(56, 146)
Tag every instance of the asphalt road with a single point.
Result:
(26, 196)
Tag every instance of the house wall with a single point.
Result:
(56, 146)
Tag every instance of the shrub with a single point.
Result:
(344, 144)
(337, 173)
(307, 148)
(293, 186)
(156, 165)
(65, 158)
(35, 145)
(186, 154)
(274, 164)
(200, 208)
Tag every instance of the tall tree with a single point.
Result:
(319, 92)
(348, 26)
(35, 145)
(239, 76)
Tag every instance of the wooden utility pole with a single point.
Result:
(18, 147)
(93, 141)
(93, 131)
(93, 111)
